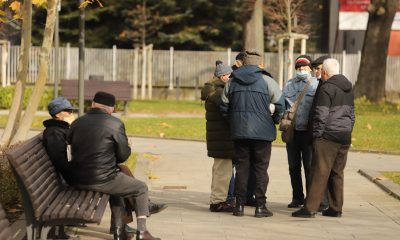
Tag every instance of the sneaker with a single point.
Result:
(303, 213)
(295, 203)
(221, 207)
(322, 207)
(331, 213)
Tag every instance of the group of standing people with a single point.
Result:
(243, 105)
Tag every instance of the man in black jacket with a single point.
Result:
(333, 122)
(99, 142)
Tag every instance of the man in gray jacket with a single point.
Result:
(333, 122)
(246, 99)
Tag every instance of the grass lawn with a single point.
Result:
(394, 176)
(161, 107)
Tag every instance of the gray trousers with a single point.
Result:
(123, 186)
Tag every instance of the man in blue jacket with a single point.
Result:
(246, 99)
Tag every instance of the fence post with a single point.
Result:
(344, 62)
(114, 62)
(135, 72)
(229, 56)
(171, 68)
(68, 61)
(4, 51)
(196, 88)
(178, 88)
(144, 61)
(280, 52)
(290, 63)
(150, 71)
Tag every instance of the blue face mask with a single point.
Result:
(302, 74)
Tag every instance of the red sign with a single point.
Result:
(354, 5)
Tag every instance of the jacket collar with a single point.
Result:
(97, 111)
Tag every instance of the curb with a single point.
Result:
(385, 184)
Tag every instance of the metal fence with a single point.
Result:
(187, 68)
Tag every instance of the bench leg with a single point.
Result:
(45, 231)
(30, 232)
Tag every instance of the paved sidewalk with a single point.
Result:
(181, 174)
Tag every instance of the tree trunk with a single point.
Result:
(254, 27)
(22, 74)
(371, 78)
(38, 90)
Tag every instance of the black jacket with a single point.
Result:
(219, 142)
(98, 142)
(333, 117)
(55, 142)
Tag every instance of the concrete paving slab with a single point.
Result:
(369, 212)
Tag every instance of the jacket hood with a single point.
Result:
(247, 74)
(341, 82)
(55, 123)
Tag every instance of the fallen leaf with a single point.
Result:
(151, 157)
(369, 126)
(166, 125)
(151, 176)
(162, 135)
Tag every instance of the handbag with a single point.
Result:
(287, 124)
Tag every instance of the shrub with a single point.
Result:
(6, 95)
(9, 193)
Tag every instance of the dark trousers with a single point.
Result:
(299, 152)
(123, 186)
(251, 184)
(327, 169)
(254, 152)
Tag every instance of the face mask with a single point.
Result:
(302, 74)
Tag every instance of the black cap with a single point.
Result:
(104, 98)
(319, 61)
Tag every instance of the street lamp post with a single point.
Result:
(56, 50)
(81, 59)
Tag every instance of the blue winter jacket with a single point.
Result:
(246, 100)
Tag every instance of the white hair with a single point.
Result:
(331, 66)
(108, 109)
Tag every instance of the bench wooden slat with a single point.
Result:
(85, 204)
(68, 204)
(77, 204)
(89, 212)
(46, 215)
(102, 205)
(56, 212)
(120, 89)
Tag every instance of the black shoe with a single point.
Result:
(331, 213)
(120, 234)
(156, 207)
(128, 230)
(295, 203)
(303, 213)
(238, 210)
(145, 235)
(251, 202)
(221, 207)
(322, 207)
(263, 211)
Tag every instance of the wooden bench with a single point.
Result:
(120, 89)
(47, 201)
(5, 232)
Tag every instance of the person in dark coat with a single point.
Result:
(317, 69)
(218, 138)
(333, 122)
(99, 143)
(246, 100)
